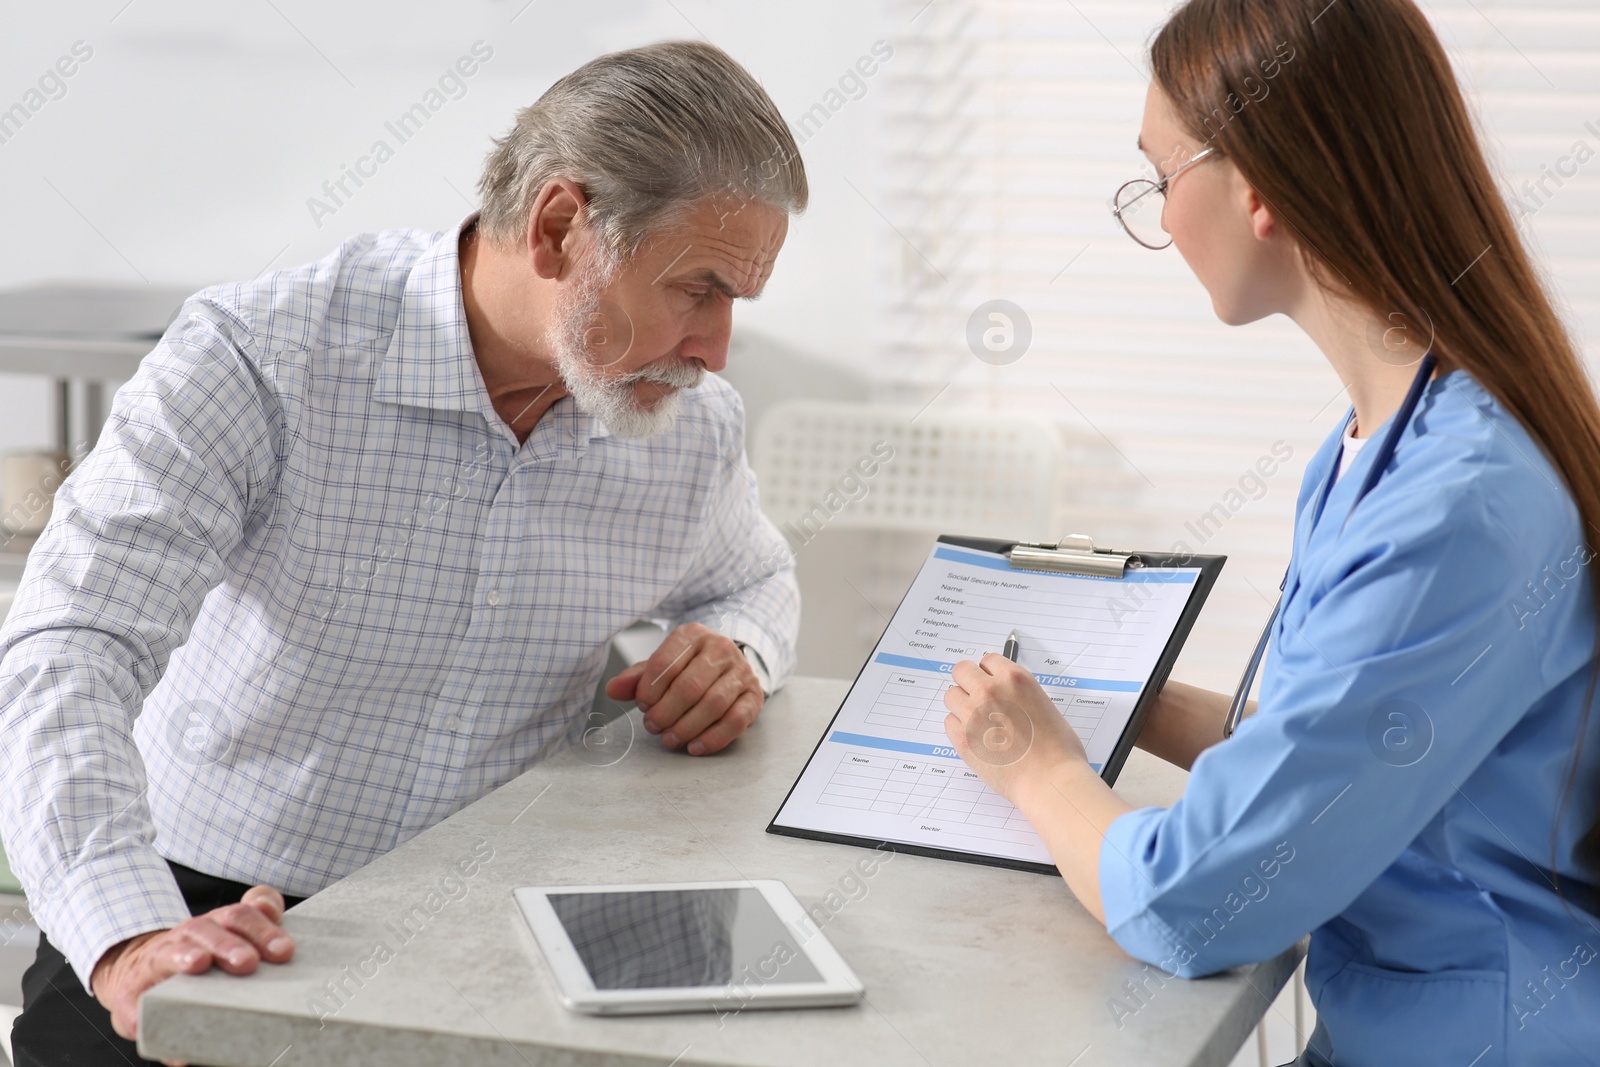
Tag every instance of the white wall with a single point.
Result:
(184, 150)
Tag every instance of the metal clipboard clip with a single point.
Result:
(1074, 554)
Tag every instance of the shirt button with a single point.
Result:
(493, 598)
(451, 722)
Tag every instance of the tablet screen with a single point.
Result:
(675, 938)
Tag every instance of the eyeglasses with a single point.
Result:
(1140, 205)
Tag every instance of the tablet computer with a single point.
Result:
(687, 946)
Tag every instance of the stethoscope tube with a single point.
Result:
(1391, 440)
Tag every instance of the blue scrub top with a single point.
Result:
(1399, 789)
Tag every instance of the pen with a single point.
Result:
(1010, 651)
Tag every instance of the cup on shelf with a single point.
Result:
(28, 484)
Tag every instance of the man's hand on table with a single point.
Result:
(697, 690)
(236, 938)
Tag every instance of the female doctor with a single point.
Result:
(1418, 787)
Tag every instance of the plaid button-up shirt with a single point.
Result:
(309, 595)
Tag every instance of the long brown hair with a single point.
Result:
(1347, 119)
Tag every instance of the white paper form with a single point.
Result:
(886, 771)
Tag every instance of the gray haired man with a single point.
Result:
(355, 538)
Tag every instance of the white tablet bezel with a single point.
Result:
(839, 985)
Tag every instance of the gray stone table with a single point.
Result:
(964, 965)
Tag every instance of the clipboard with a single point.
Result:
(928, 770)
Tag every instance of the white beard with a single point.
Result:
(611, 400)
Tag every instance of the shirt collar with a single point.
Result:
(430, 362)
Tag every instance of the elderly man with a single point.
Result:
(352, 546)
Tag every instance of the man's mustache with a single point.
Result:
(675, 373)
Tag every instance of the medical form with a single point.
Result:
(885, 771)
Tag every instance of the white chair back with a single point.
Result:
(864, 466)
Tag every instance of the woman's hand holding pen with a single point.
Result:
(1005, 727)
